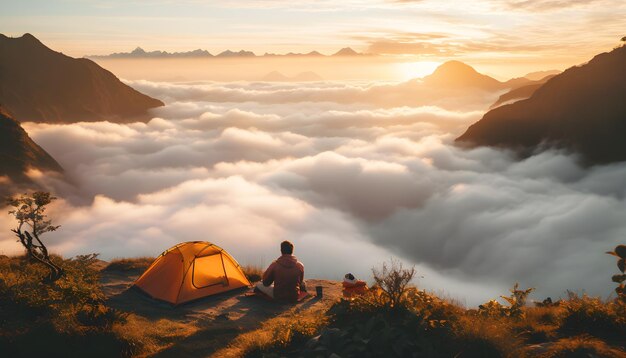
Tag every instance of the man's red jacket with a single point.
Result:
(287, 274)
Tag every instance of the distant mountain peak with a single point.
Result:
(458, 74)
(240, 53)
(26, 39)
(29, 37)
(275, 76)
(454, 67)
(138, 51)
(539, 75)
(346, 51)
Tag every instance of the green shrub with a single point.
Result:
(66, 315)
(516, 301)
(492, 308)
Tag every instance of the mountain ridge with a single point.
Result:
(41, 85)
(582, 110)
(521, 92)
(18, 152)
(139, 52)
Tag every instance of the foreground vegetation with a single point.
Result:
(56, 307)
(398, 320)
(71, 316)
(68, 315)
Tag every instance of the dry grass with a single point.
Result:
(487, 337)
(254, 273)
(70, 313)
(582, 346)
(129, 264)
(540, 324)
(149, 337)
(276, 332)
(544, 315)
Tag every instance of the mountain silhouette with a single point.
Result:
(582, 109)
(141, 53)
(18, 152)
(346, 51)
(456, 74)
(242, 53)
(518, 82)
(275, 76)
(294, 54)
(41, 85)
(538, 75)
(522, 92)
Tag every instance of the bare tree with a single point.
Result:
(393, 280)
(30, 213)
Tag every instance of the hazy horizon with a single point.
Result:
(501, 38)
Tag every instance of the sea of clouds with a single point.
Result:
(350, 181)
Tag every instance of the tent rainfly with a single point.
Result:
(191, 270)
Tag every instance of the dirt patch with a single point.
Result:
(218, 319)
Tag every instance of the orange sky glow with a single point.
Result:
(503, 38)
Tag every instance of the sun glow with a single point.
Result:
(409, 70)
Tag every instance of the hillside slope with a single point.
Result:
(521, 92)
(41, 85)
(583, 110)
(18, 151)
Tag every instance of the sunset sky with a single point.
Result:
(537, 34)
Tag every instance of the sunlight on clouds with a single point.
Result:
(247, 165)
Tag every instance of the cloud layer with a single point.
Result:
(352, 183)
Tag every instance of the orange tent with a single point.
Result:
(191, 270)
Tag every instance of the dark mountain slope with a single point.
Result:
(41, 85)
(18, 152)
(583, 109)
(521, 92)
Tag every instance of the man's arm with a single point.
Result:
(268, 275)
(302, 282)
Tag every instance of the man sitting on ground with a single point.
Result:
(287, 275)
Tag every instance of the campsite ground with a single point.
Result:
(72, 316)
(213, 323)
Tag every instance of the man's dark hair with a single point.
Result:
(286, 248)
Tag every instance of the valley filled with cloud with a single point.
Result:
(347, 175)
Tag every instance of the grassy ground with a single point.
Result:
(69, 317)
(72, 316)
(129, 264)
(253, 273)
(429, 327)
